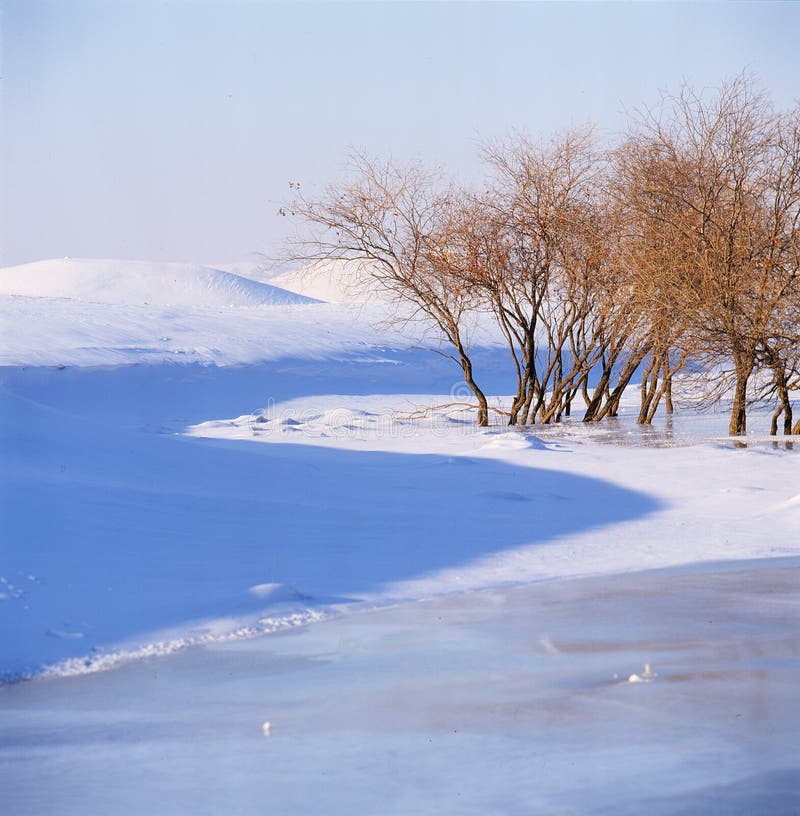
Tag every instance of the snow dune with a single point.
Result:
(93, 312)
(332, 281)
(138, 283)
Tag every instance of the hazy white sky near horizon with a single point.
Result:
(169, 129)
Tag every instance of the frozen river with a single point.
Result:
(494, 702)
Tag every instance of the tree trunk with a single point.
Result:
(483, 405)
(773, 425)
(648, 392)
(738, 423)
(519, 413)
(531, 388)
(786, 407)
(668, 406)
(597, 397)
(585, 391)
(614, 396)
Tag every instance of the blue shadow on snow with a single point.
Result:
(110, 532)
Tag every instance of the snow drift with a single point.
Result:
(139, 283)
(335, 281)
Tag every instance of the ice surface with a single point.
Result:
(501, 701)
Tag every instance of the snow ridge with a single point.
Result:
(140, 283)
(75, 666)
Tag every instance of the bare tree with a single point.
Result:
(713, 179)
(400, 221)
(652, 250)
(682, 245)
(779, 345)
(542, 215)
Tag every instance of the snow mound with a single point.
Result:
(141, 283)
(335, 281)
(252, 270)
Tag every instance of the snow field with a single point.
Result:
(156, 485)
(455, 616)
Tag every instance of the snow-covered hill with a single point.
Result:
(139, 283)
(332, 281)
(92, 312)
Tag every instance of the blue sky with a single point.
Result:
(169, 129)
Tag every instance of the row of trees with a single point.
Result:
(678, 248)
